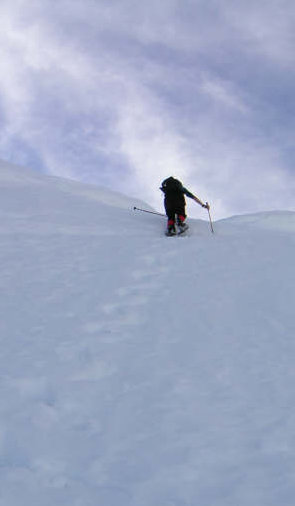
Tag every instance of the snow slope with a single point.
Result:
(140, 370)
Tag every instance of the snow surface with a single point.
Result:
(140, 370)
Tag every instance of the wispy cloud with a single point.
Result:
(123, 94)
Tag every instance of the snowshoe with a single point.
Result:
(170, 231)
(182, 227)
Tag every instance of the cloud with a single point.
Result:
(123, 94)
(223, 93)
(267, 27)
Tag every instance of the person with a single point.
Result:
(174, 203)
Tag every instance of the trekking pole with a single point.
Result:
(145, 211)
(211, 225)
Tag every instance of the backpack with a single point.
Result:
(172, 185)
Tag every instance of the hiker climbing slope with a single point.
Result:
(174, 203)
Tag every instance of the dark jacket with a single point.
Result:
(174, 190)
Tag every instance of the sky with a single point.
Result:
(122, 94)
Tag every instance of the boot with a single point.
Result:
(182, 226)
(171, 228)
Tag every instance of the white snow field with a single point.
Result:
(141, 370)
